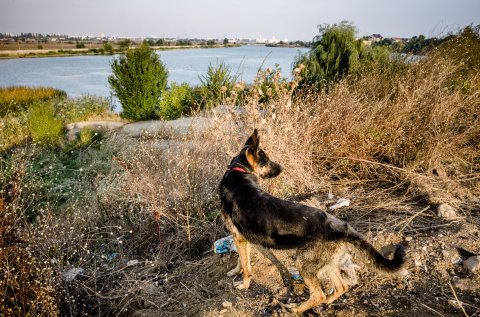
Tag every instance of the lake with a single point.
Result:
(87, 75)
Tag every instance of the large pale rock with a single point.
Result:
(472, 264)
(74, 128)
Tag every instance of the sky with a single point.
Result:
(282, 19)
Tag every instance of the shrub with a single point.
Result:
(108, 48)
(176, 101)
(217, 84)
(17, 98)
(269, 84)
(82, 108)
(139, 79)
(43, 125)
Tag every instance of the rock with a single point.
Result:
(223, 311)
(408, 239)
(74, 128)
(71, 274)
(173, 128)
(227, 304)
(465, 284)
(446, 211)
(472, 264)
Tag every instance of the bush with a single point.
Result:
(108, 48)
(217, 84)
(139, 79)
(16, 98)
(43, 125)
(269, 84)
(175, 102)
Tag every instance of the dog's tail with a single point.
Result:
(378, 260)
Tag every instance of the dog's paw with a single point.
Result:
(241, 284)
(234, 272)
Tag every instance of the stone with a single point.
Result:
(472, 264)
(446, 211)
(227, 304)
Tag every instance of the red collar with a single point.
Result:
(239, 169)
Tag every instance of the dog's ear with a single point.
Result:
(253, 140)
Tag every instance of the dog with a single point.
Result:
(255, 217)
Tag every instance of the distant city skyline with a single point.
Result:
(282, 19)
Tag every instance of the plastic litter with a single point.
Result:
(72, 273)
(225, 245)
(342, 202)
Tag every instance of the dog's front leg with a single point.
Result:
(244, 260)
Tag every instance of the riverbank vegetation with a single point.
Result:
(87, 226)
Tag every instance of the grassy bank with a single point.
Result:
(122, 213)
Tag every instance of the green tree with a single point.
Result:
(225, 41)
(139, 79)
(335, 53)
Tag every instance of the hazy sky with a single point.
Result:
(284, 19)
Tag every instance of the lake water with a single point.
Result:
(87, 75)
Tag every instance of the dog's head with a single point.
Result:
(255, 159)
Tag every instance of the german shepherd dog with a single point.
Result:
(254, 216)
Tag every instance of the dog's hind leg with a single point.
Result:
(244, 256)
(339, 285)
(237, 270)
(317, 296)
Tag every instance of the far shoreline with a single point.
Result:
(39, 53)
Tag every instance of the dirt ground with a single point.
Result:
(436, 279)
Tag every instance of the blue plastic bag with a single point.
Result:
(224, 245)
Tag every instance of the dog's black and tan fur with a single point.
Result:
(254, 216)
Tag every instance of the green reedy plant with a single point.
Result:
(139, 79)
(217, 84)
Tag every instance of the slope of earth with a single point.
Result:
(437, 284)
